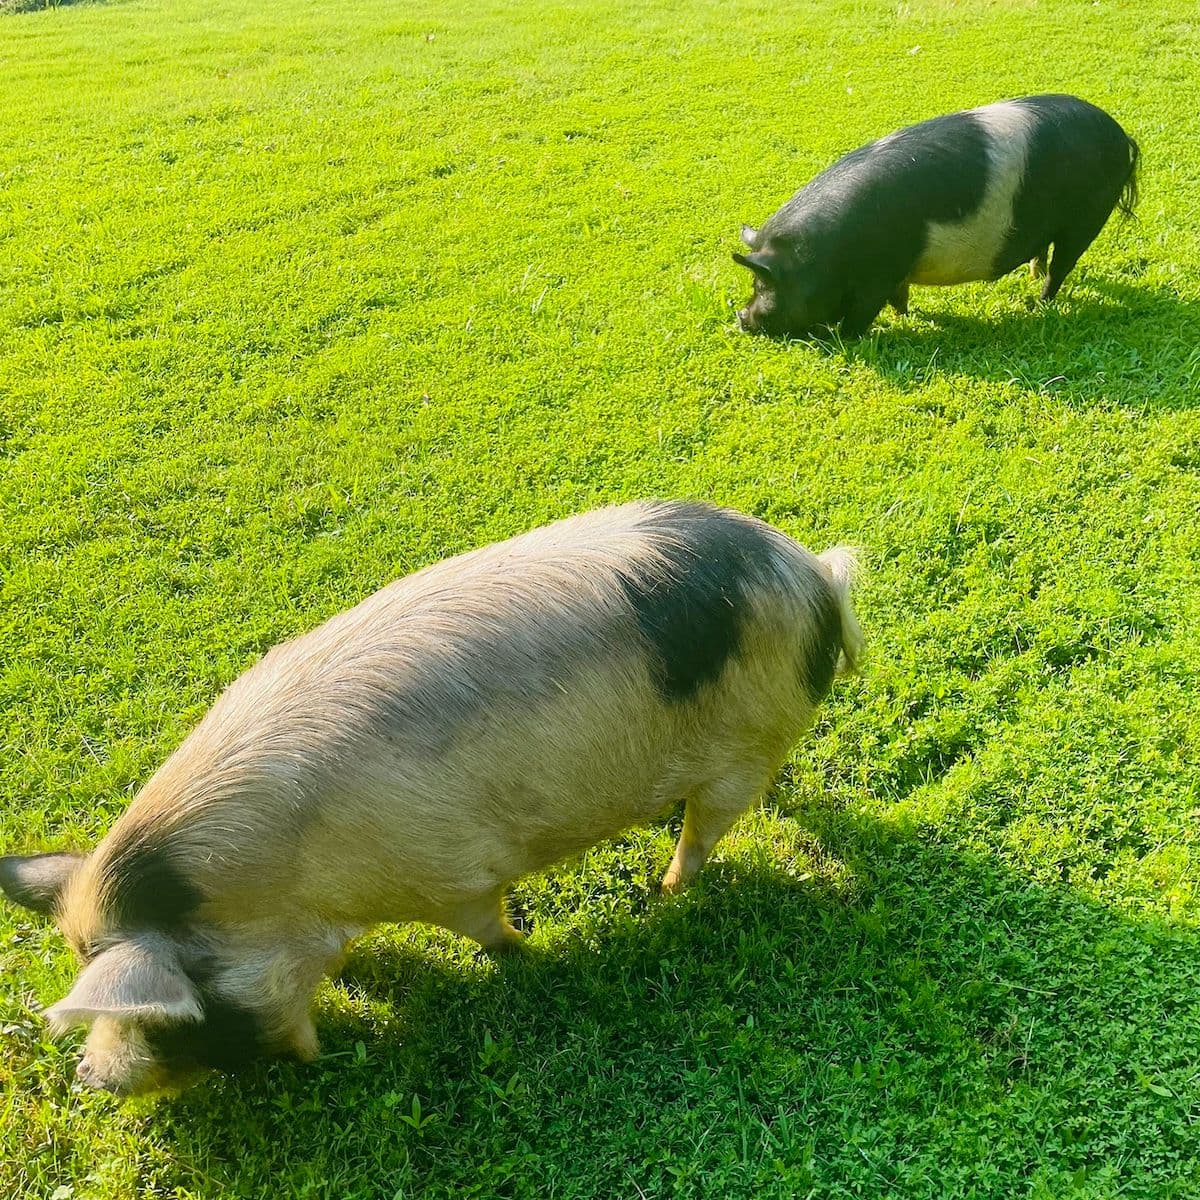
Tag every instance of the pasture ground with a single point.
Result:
(297, 298)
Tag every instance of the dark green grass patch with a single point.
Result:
(294, 299)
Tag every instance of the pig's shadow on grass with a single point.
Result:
(1135, 345)
(957, 979)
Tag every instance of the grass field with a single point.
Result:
(297, 298)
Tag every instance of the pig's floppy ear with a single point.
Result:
(749, 235)
(760, 264)
(135, 980)
(36, 881)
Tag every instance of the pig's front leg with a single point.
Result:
(484, 919)
(860, 311)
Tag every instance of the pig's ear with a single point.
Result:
(36, 881)
(749, 236)
(762, 265)
(135, 980)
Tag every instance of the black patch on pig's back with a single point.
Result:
(691, 606)
(938, 170)
(147, 890)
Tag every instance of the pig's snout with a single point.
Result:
(749, 321)
(88, 1074)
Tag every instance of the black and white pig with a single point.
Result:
(958, 198)
(475, 721)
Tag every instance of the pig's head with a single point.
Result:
(783, 303)
(163, 1004)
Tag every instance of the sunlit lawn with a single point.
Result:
(297, 298)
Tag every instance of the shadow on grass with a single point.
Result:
(931, 1025)
(1134, 345)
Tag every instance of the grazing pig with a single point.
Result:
(477, 720)
(958, 198)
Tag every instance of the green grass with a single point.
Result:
(297, 298)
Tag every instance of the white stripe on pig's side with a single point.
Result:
(960, 251)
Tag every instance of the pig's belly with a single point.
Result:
(960, 252)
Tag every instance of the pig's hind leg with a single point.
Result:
(710, 811)
(1066, 255)
(1070, 245)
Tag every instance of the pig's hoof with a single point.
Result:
(513, 942)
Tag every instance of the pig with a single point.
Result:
(482, 718)
(957, 198)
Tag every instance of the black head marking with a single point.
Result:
(228, 1036)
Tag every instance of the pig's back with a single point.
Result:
(443, 728)
(879, 198)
